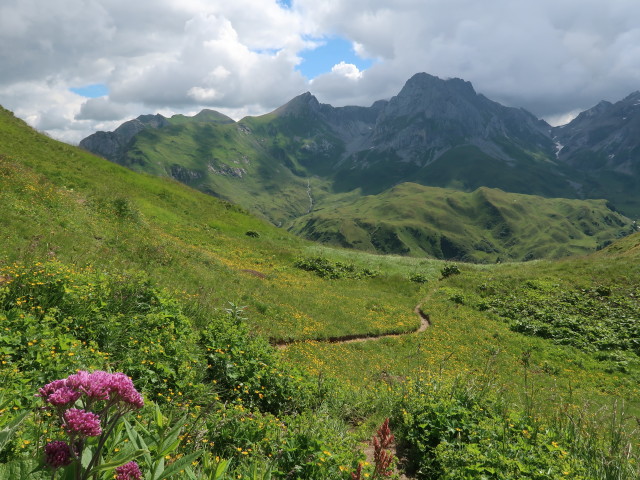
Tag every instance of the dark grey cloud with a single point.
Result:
(101, 109)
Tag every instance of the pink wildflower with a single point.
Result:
(81, 422)
(123, 387)
(94, 385)
(57, 393)
(128, 471)
(57, 454)
(50, 388)
(98, 385)
(63, 396)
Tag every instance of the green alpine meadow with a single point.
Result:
(241, 304)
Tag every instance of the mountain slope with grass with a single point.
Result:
(61, 202)
(487, 225)
(106, 269)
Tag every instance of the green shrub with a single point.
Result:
(243, 368)
(463, 430)
(597, 318)
(326, 269)
(450, 269)
(78, 318)
(418, 278)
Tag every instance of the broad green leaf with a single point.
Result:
(169, 448)
(87, 455)
(158, 468)
(23, 470)
(168, 443)
(137, 441)
(159, 417)
(190, 474)
(221, 469)
(7, 432)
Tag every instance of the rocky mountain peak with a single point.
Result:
(433, 97)
(433, 115)
(111, 144)
(599, 109)
(153, 121)
(605, 137)
(423, 83)
(300, 105)
(633, 97)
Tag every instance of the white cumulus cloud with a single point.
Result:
(347, 70)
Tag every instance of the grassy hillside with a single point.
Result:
(103, 268)
(487, 225)
(246, 163)
(63, 203)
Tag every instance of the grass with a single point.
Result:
(106, 268)
(189, 241)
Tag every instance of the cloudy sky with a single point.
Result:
(71, 67)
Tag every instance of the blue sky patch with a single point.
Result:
(322, 59)
(91, 91)
(285, 3)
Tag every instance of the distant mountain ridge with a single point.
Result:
(113, 145)
(439, 133)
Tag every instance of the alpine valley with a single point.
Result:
(437, 170)
(259, 354)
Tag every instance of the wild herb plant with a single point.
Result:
(88, 407)
(384, 461)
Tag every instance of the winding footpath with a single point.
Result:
(425, 322)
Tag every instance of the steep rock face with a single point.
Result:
(605, 137)
(349, 123)
(113, 145)
(602, 147)
(430, 116)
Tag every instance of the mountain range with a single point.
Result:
(315, 169)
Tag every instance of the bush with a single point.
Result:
(463, 430)
(418, 278)
(326, 269)
(78, 318)
(450, 269)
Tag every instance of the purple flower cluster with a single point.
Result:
(57, 454)
(98, 385)
(111, 395)
(81, 423)
(128, 471)
(58, 394)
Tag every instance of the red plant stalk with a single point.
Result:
(382, 458)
